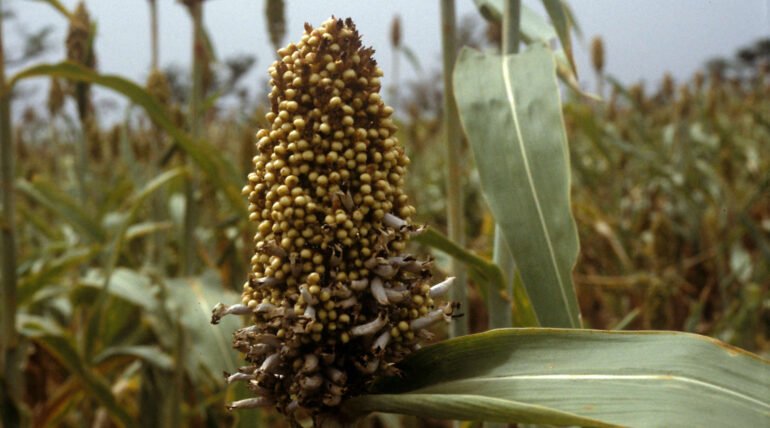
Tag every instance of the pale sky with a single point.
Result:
(643, 39)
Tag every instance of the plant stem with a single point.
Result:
(156, 150)
(9, 339)
(499, 304)
(196, 128)
(455, 206)
(154, 34)
(511, 22)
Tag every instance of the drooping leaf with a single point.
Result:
(207, 157)
(561, 22)
(511, 112)
(558, 376)
(150, 353)
(51, 197)
(56, 4)
(412, 57)
(490, 272)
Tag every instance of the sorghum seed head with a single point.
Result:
(55, 97)
(157, 86)
(79, 37)
(597, 54)
(327, 194)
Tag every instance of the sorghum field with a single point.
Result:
(354, 254)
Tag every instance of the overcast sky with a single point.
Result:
(643, 39)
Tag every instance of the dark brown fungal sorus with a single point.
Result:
(334, 299)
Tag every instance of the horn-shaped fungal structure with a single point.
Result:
(333, 299)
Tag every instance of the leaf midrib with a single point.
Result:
(530, 181)
(447, 386)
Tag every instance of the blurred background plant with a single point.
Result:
(127, 234)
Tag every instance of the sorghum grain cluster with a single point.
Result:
(334, 299)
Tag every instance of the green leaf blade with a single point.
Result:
(618, 378)
(206, 156)
(561, 21)
(471, 407)
(511, 112)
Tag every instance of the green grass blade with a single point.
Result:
(96, 319)
(490, 272)
(471, 407)
(561, 23)
(511, 112)
(149, 353)
(618, 378)
(207, 157)
(56, 4)
(68, 208)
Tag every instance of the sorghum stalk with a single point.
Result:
(276, 22)
(7, 227)
(333, 298)
(452, 133)
(153, 34)
(12, 355)
(157, 86)
(196, 128)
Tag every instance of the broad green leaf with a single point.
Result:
(490, 272)
(63, 348)
(511, 112)
(211, 345)
(206, 156)
(550, 375)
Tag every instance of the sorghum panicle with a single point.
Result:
(158, 87)
(597, 54)
(276, 21)
(334, 299)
